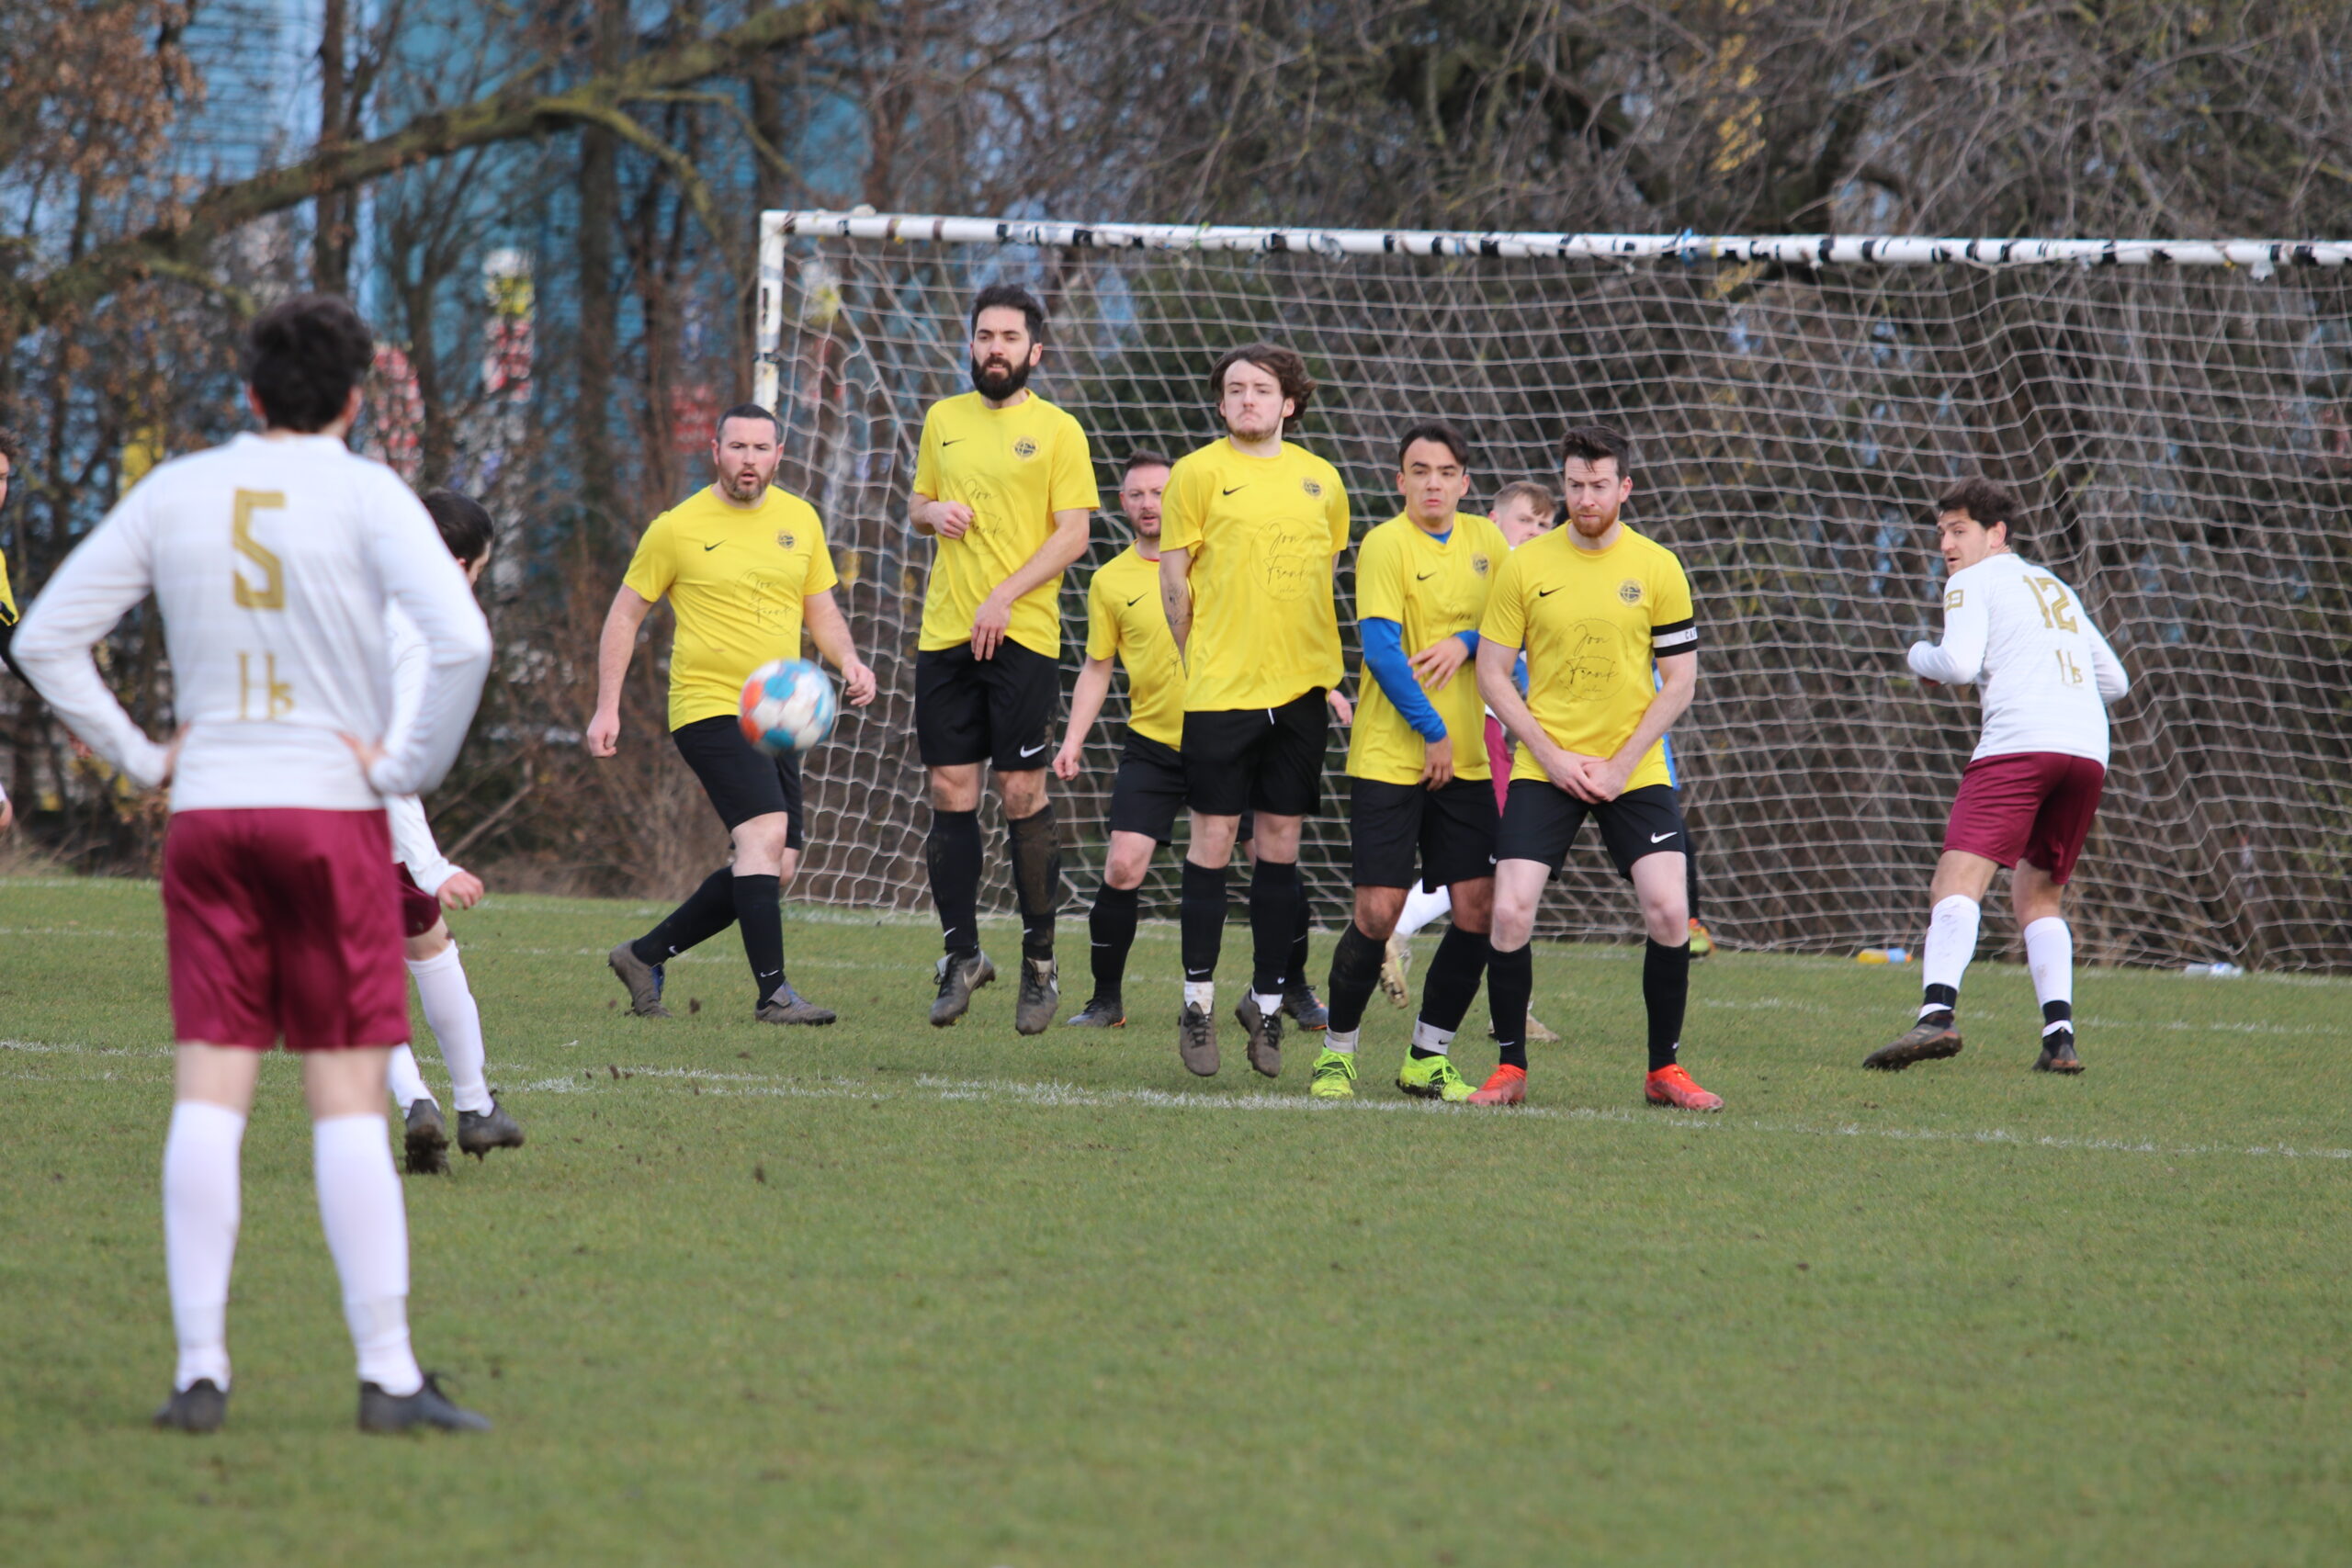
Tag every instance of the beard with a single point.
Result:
(1272, 428)
(996, 380)
(744, 491)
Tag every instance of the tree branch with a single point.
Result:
(506, 115)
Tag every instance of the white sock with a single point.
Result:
(456, 1022)
(404, 1080)
(1421, 907)
(1201, 994)
(1343, 1041)
(366, 1226)
(200, 1214)
(1428, 1037)
(1268, 1004)
(1951, 943)
(2050, 953)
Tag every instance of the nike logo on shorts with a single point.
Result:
(1661, 838)
(1033, 751)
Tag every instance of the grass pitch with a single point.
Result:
(881, 1295)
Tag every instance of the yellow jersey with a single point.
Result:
(737, 578)
(1015, 467)
(1593, 623)
(1123, 615)
(7, 598)
(1432, 588)
(1262, 532)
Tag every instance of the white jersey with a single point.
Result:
(413, 843)
(272, 559)
(2045, 674)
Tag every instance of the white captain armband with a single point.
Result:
(1675, 637)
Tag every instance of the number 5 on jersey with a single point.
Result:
(271, 593)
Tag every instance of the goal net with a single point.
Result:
(2177, 417)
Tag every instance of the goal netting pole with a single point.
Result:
(2177, 416)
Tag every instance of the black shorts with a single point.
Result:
(1149, 791)
(1541, 821)
(1270, 759)
(1449, 830)
(996, 711)
(742, 781)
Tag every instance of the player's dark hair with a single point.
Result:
(1538, 496)
(747, 410)
(303, 356)
(1591, 442)
(1011, 297)
(1143, 460)
(1444, 435)
(1285, 365)
(465, 526)
(1986, 504)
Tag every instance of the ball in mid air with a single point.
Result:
(787, 705)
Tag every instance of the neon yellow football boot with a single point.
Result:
(1433, 1078)
(1334, 1076)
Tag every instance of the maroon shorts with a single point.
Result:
(282, 922)
(1498, 759)
(420, 911)
(2034, 807)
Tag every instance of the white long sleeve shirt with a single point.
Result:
(413, 843)
(2045, 675)
(272, 560)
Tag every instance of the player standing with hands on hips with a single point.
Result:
(2046, 679)
(273, 559)
(743, 564)
(1004, 483)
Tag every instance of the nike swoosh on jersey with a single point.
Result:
(712, 545)
(944, 445)
(1545, 593)
(1423, 576)
(1661, 838)
(1135, 601)
(1230, 491)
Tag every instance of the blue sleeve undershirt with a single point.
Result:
(1384, 655)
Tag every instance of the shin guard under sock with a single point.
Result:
(1273, 922)
(952, 852)
(1201, 921)
(1452, 980)
(202, 1203)
(708, 909)
(1111, 926)
(1036, 856)
(758, 911)
(367, 1224)
(1355, 970)
(1294, 977)
(1665, 994)
(1510, 985)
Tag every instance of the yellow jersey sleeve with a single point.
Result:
(821, 575)
(1181, 504)
(7, 598)
(1506, 618)
(1380, 578)
(1334, 507)
(1101, 621)
(1072, 488)
(654, 567)
(927, 455)
(1674, 623)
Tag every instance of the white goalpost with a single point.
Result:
(2178, 415)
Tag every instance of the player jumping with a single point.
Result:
(272, 560)
(2045, 678)
(1004, 483)
(743, 563)
(1612, 643)
(1253, 524)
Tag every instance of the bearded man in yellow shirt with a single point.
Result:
(742, 563)
(1250, 529)
(1612, 658)
(1003, 481)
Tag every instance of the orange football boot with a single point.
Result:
(1672, 1086)
(1505, 1085)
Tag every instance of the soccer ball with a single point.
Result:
(787, 705)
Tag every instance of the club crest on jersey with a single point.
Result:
(1478, 565)
(1024, 448)
(1311, 487)
(1630, 592)
(783, 539)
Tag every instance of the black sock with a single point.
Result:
(1200, 920)
(1690, 870)
(1452, 979)
(707, 910)
(1355, 970)
(1273, 921)
(1938, 998)
(1294, 977)
(1036, 856)
(1111, 926)
(1666, 992)
(953, 853)
(1511, 984)
(757, 912)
